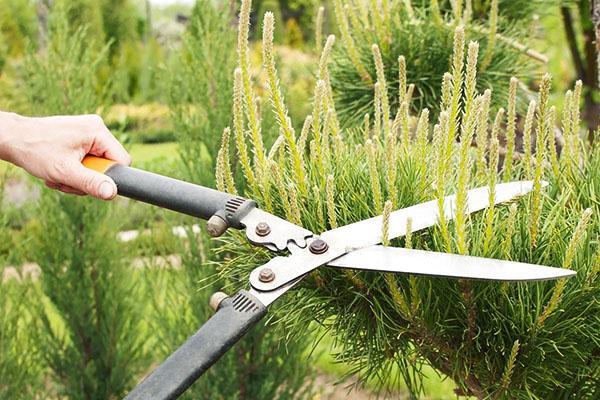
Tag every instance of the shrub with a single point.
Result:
(91, 337)
(511, 340)
(200, 85)
(20, 363)
(18, 25)
(418, 41)
(20, 367)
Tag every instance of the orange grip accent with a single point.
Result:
(97, 163)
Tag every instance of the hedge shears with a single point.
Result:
(355, 246)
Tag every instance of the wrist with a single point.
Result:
(10, 127)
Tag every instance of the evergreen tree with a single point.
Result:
(119, 21)
(20, 364)
(422, 36)
(91, 337)
(80, 13)
(200, 87)
(494, 340)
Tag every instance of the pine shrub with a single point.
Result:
(20, 363)
(261, 366)
(18, 26)
(90, 337)
(418, 39)
(20, 367)
(200, 87)
(494, 340)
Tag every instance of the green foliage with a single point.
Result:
(20, 368)
(150, 86)
(3, 52)
(96, 350)
(81, 13)
(134, 72)
(200, 87)
(522, 12)
(119, 18)
(494, 340)
(18, 25)
(91, 337)
(426, 45)
(293, 34)
(64, 80)
(261, 365)
(302, 11)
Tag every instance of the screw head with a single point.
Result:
(266, 275)
(262, 229)
(318, 246)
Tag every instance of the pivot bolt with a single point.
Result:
(266, 275)
(318, 246)
(262, 229)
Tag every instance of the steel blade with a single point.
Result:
(421, 262)
(368, 232)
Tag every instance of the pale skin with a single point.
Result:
(52, 148)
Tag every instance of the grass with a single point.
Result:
(144, 153)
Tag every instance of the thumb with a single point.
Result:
(91, 182)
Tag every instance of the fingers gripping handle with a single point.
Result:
(222, 210)
(234, 317)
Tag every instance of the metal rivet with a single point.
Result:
(262, 229)
(318, 246)
(266, 275)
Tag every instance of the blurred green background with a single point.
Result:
(94, 296)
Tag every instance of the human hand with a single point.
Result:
(51, 148)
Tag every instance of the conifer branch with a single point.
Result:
(279, 107)
(238, 125)
(510, 128)
(248, 92)
(542, 128)
(528, 127)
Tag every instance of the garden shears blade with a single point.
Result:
(421, 262)
(346, 240)
(350, 246)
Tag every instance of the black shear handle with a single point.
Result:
(222, 210)
(234, 317)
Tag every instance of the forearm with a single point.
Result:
(10, 125)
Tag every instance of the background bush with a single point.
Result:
(423, 36)
(494, 340)
(91, 337)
